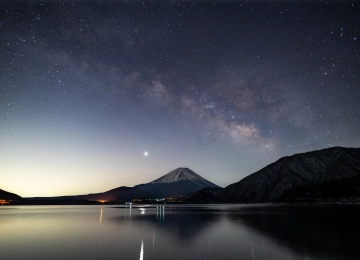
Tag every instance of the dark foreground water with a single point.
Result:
(180, 232)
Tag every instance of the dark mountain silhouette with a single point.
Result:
(328, 174)
(121, 193)
(179, 182)
(117, 194)
(205, 195)
(4, 195)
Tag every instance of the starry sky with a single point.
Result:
(224, 88)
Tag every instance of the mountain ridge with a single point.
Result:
(117, 194)
(330, 174)
(180, 174)
(5, 195)
(315, 167)
(179, 182)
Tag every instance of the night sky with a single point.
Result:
(87, 88)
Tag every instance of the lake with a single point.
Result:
(180, 232)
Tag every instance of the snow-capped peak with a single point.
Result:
(182, 174)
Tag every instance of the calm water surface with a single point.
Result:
(180, 232)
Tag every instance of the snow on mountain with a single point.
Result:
(182, 174)
(179, 182)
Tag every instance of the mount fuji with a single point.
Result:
(179, 182)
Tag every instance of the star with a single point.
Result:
(65, 89)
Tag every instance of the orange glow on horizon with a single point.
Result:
(5, 202)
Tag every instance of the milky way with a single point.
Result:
(87, 88)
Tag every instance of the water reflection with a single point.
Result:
(142, 210)
(142, 250)
(154, 235)
(183, 223)
(128, 211)
(295, 232)
(101, 210)
(193, 232)
(252, 249)
(310, 231)
(160, 213)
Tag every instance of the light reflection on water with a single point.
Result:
(187, 232)
(142, 250)
(101, 214)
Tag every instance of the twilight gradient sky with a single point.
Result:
(86, 88)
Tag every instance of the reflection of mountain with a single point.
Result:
(320, 231)
(328, 174)
(179, 182)
(179, 222)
